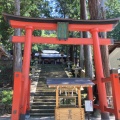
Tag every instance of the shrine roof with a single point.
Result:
(77, 82)
(9, 17)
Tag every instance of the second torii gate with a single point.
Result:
(21, 94)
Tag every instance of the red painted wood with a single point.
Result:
(115, 82)
(108, 79)
(16, 96)
(28, 96)
(111, 110)
(94, 81)
(96, 106)
(22, 84)
(70, 41)
(53, 26)
(26, 67)
(99, 70)
(90, 93)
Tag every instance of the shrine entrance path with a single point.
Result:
(44, 98)
(52, 71)
(45, 71)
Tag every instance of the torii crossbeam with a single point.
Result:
(21, 78)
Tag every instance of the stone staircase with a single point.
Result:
(44, 97)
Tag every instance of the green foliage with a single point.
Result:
(113, 11)
(37, 33)
(71, 9)
(67, 8)
(36, 47)
(112, 8)
(46, 33)
(45, 9)
(48, 9)
(5, 31)
(115, 34)
(29, 8)
(43, 33)
(6, 96)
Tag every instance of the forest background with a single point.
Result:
(51, 9)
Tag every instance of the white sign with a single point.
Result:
(89, 105)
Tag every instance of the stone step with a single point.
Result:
(41, 114)
(41, 78)
(49, 91)
(43, 106)
(42, 82)
(43, 86)
(44, 97)
(44, 103)
(42, 111)
(44, 100)
(45, 93)
(46, 90)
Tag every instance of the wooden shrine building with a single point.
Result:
(66, 107)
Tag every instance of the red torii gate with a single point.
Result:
(21, 96)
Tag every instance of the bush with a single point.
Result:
(6, 76)
(6, 96)
(5, 101)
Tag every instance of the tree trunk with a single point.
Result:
(17, 46)
(71, 53)
(81, 57)
(87, 48)
(94, 9)
(105, 53)
(96, 12)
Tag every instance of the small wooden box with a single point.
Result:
(69, 114)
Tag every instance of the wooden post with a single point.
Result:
(115, 82)
(79, 98)
(28, 99)
(90, 93)
(99, 70)
(57, 98)
(16, 96)
(25, 69)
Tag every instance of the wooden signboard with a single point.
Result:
(69, 114)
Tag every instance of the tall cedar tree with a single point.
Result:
(17, 46)
(96, 9)
(87, 48)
